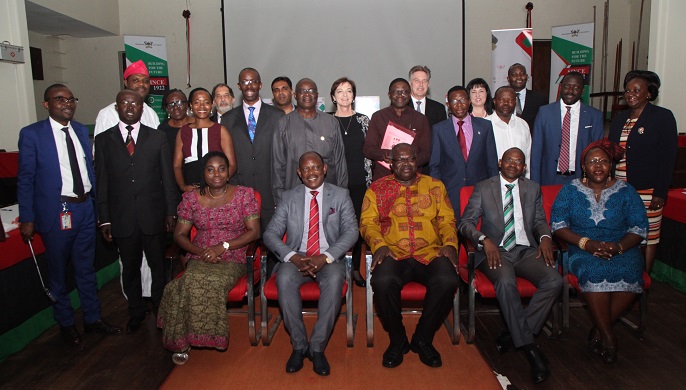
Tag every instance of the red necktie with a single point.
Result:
(462, 140)
(130, 145)
(313, 231)
(564, 146)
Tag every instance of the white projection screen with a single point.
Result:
(370, 41)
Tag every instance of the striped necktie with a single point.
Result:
(313, 231)
(509, 240)
(563, 164)
(130, 144)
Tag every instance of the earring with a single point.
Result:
(584, 178)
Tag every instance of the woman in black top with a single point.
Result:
(353, 130)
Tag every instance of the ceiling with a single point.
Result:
(45, 21)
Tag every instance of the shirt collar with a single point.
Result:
(56, 125)
(503, 182)
(574, 106)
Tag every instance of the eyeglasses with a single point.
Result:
(248, 82)
(460, 101)
(404, 160)
(400, 92)
(178, 103)
(129, 104)
(575, 88)
(65, 100)
(310, 91)
(513, 161)
(596, 161)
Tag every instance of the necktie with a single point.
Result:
(563, 163)
(519, 106)
(252, 123)
(509, 240)
(74, 165)
(419, 108)
(198, 145)
(462, 140)
(313, 231)
(130, 145)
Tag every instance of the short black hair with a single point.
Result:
(50, 88)
(457, 88)
(651, 78)
(205, 159)
(166, 96)
(397, 80)
(196, 90)
(283, 78)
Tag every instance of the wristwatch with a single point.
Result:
(329, 258)
(481, 241)
(226, 245)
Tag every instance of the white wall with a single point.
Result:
(667, 55)
(16, 101)
(486, 15)
(103, 14)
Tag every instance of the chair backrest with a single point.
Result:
(549, 193)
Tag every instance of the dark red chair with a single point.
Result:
(309, 292)
(478, 282)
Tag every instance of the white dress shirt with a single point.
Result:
(256, 112)
(63, 157)
(573, 129)
(323, 244)
(511, 135)
(520, 233)
(422, 107)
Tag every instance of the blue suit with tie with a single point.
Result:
(547, 139)
(39, 188)
(447, 162)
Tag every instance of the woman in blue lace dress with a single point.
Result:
(604, 221)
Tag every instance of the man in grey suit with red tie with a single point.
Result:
(136, 199)
(55, 191)
(321, 227)
(514, 241)
(463, 150)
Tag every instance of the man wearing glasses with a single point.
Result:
(401, 115)
(409, 225)
(54, 188)
(306, 129)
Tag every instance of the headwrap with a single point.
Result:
(137, 67)
(614, 151)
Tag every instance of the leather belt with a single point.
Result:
(568, 173)
(74, 199)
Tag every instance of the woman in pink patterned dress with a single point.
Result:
(193, 308)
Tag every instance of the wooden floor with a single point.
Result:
(138, 361)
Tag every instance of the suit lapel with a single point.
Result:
(498, 201)
(243, 122)
(299, 208)
(477, 140)
(51, 149)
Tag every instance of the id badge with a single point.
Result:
(65, 220)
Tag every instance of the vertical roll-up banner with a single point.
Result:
(153, 51)
(509, 47)
(571, 50)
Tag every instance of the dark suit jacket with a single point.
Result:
(338, 217)
(486, 203)
(651, 153)
(434, 111)
(546, 141)
(39, 180)
(448, 165)
(532, 104)
(137, 190)
(254, 159)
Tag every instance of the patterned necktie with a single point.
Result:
(519, 106)
(130, 145)
(509, 240)
(74, 164)
(313, 231)
(419, 108)
(462, 140)
(563, 162)
(252, 123)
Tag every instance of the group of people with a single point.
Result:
(269, 171)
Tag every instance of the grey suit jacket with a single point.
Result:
(338, 216)
(254, 159)
(486, 203)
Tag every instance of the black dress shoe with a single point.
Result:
(358, 279)
(100, 326)
(427, 353)
(295, 362)
(539, 367)
(503, 342)
(594, 344)
(319, 363)
(133, 324)
(393, 356)
(70, 335)
(609, 355)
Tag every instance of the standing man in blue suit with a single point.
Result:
(463, 150)
(567, 122)
(55, 191)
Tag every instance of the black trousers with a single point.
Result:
(389, 277)
(130, 250)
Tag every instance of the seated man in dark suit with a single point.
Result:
(515, 242)
(420, 76)
(315, 246)
(409, 225)
(463, 150)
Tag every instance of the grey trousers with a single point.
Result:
(523, 323)
(330, 280)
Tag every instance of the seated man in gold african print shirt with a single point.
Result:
(409, 224)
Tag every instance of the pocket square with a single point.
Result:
(332, 210)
